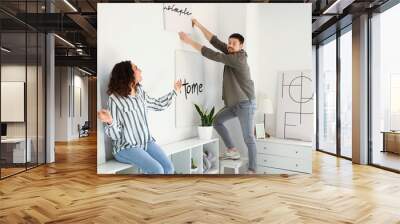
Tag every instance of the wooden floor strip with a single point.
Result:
(70, 191)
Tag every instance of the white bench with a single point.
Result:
(112, 167)
(180, 153)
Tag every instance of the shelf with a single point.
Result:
(180, 146)
(180, 153)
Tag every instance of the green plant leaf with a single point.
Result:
(206, 118)
(212, 112)
(198, 110)
(203, 121)
(211, 116)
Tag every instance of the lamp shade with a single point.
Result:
(266, 106)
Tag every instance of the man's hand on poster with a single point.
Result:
(207, 34)
(188, 40)
(195, 22)
(105, 116)
(178, 85)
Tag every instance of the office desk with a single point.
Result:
(391, 141)
(15, 148)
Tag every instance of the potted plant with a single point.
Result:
(193, 167)
(205, 130)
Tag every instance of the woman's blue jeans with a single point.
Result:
(152, 161)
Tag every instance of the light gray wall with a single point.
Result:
(123, 36)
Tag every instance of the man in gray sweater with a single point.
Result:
(237, 90)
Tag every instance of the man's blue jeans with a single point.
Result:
(245, 111)
(152, 161)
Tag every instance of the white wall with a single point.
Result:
(61, 103)
(66, 122)
(270, 44)
(285, 44)
(274, 42)
(80, 82)
(122, 35)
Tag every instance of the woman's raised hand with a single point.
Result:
(178, 85)
(105, 116)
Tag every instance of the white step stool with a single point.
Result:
(233, 164)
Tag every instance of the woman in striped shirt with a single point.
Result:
(126, 121)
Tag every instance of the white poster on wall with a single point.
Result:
(189, 68)
(295, 105)
(177, 17)
(12, 101)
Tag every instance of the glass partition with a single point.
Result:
(13, 94)
(327, 96)
(385, 89)
(346, 94)
(22, 78)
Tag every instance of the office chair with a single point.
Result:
(84, 130)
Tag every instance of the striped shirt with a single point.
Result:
(129, 127)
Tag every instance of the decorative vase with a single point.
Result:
(205, 132)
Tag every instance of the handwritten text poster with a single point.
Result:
(189, 68)
(177, 17)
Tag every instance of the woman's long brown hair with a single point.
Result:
(122, 79)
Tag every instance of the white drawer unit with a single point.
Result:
(282, 156)
(270, 170)
(286, 163)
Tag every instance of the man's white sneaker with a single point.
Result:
(235, 155)
(251, 172)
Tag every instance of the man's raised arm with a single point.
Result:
(227, 59)
(211, 37)
(207, 34)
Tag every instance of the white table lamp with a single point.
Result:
(267, 108)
